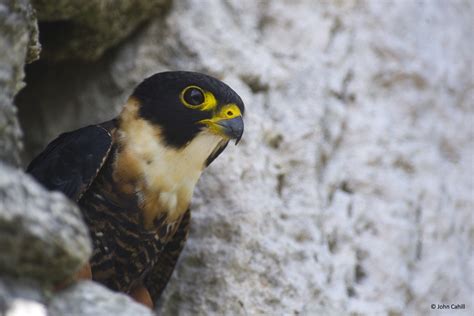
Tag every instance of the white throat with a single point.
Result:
(166, 176)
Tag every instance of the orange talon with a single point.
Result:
(84, 274)
(141, 295)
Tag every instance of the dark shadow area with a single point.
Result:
(54, 100)
(52, 35)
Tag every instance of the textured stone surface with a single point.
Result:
(42, 235)
(18, 44)
(91, 299)
(352, 189)
(84, 29)
(20, 298)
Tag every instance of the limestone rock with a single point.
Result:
(21, 297)
(42, 234)
(83, 30)
(18, 44)
(91, 299)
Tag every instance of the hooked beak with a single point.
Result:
(228, 123)
(232, 128)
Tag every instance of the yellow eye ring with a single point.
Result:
(193, 97)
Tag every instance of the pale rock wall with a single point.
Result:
(84, 29)
(43, 234)
(352, 189)
(18, 45)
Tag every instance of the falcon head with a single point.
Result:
(184, 105)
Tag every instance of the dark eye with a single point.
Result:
(193, 96)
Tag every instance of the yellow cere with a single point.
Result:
(227, 112)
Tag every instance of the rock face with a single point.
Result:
(89, 298)
(83, 30)
(42, 233)
(18, 45)
(21, 297)
(352, 189)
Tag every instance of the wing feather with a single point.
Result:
(71, 162)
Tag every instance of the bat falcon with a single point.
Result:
(133, 176)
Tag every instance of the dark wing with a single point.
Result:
(71, 162)
(158, 277)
